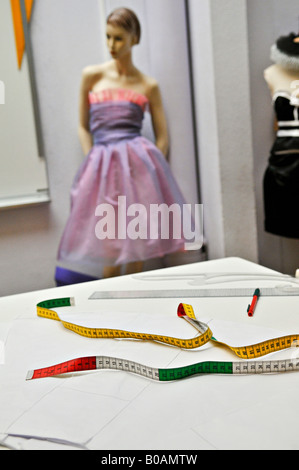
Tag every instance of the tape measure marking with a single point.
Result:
(165, 375)
(184, 311)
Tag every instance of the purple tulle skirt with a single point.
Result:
(114, 217)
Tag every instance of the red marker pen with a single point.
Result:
(251, 307)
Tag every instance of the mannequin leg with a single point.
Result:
(135, 267)
(111, 271)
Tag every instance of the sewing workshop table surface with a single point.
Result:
(113, 409)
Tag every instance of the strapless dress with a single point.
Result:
(124, 172)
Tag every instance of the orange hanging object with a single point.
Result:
(18, 26)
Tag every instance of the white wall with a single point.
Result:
(221, 70)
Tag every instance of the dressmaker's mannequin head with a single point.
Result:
(126, 20)
(285, 52)
(284, 73)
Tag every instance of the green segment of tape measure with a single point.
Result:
(208, 367)
(56, 303)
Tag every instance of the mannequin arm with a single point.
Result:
(268, 78)
(85, 136)
(159, 119)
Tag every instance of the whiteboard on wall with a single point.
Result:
(23, 170)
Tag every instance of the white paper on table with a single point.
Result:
(242, 334)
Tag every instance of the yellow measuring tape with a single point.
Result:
(185, 311)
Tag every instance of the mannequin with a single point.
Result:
(281, 180)
(285, 71)
(119, 162)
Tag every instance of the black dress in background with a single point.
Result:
(281, 180)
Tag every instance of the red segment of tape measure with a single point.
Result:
(181, 311)
(75, 365)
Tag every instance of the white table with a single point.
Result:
(117, 410)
